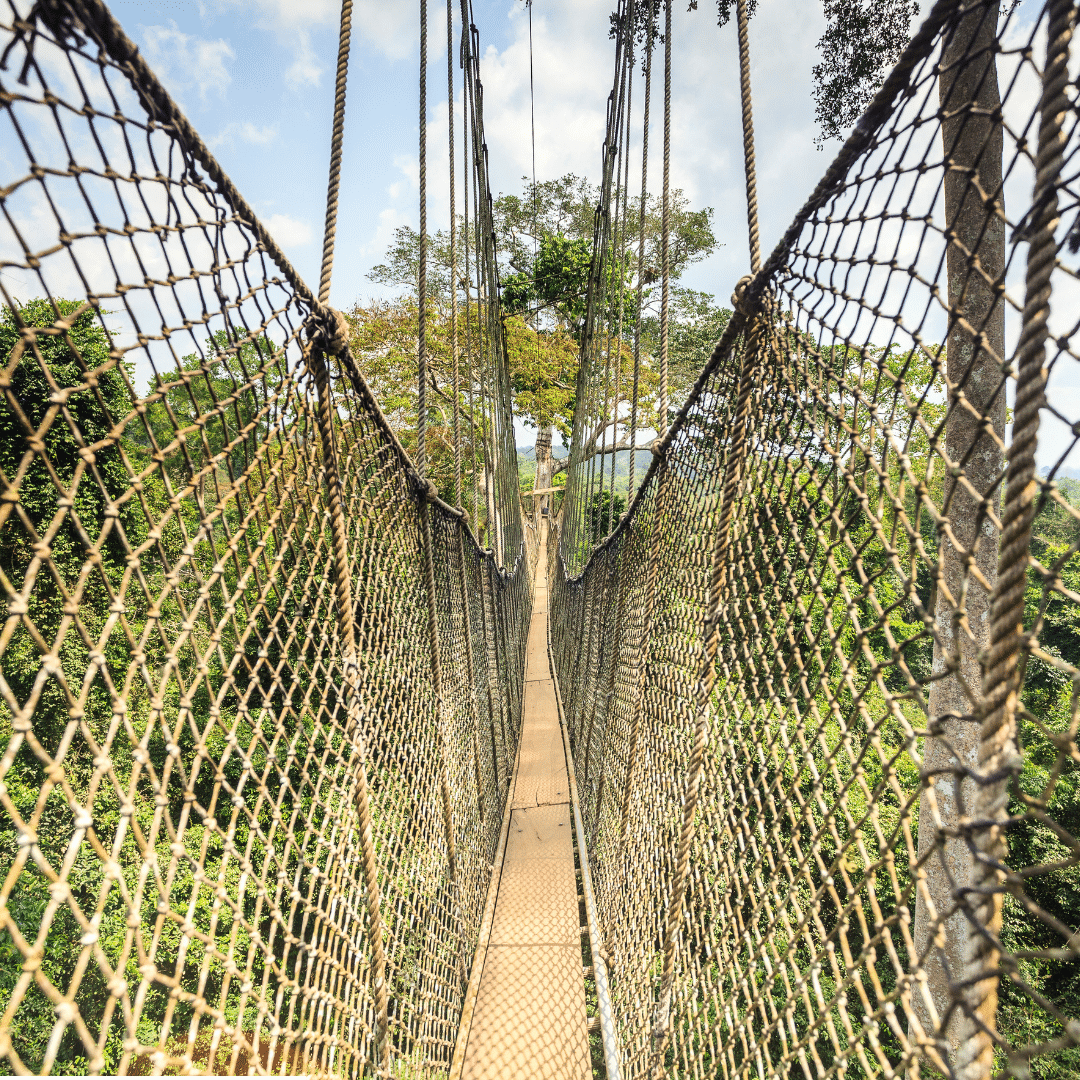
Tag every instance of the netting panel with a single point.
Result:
(837, 911)
(181, 847)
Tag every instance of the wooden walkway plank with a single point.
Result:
(529, 1018)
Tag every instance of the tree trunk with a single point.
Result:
(973, 143)
(542, 452)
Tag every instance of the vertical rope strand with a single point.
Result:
(748, 136)
(467, 180)
(620, 248)
(665, 241)
(706, 676)
(427, 537)
(421, 284)
(538, 501)
(343, 575)
(453, 252)
(998, 750)
(330, 227)
(631, 494)
(346, 620)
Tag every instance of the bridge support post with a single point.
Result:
(944, 930)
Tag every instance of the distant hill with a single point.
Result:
(527, 453)
(1064, 473)
(527, 465)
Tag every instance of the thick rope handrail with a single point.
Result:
(95, 17)
(97, 20)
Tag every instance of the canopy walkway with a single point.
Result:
(297, 777)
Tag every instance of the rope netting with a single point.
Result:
(822, 679)
(260, 685)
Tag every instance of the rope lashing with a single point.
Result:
(329, 332)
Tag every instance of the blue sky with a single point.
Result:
(256, 79)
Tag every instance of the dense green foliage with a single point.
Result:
(56, 363)
(125, 734)
(605, 510)
(832, 746)
(1048, 793)
(171, 673)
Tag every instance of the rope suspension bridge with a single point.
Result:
(308, 770)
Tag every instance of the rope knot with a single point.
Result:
(739, 299)
(328, 330)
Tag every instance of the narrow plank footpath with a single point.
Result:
(529, 1019)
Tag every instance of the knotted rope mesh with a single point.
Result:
(229, 789)
(820, 683)
(822, 680)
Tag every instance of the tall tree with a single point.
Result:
(862, 40)
(545, 243)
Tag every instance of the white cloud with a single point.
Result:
(409, 166)
(388, 27)
(389, 220)
(573, 61)
(392, 28)
(185, 62)
(291, 23)
(244, 132)
(288, 231)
